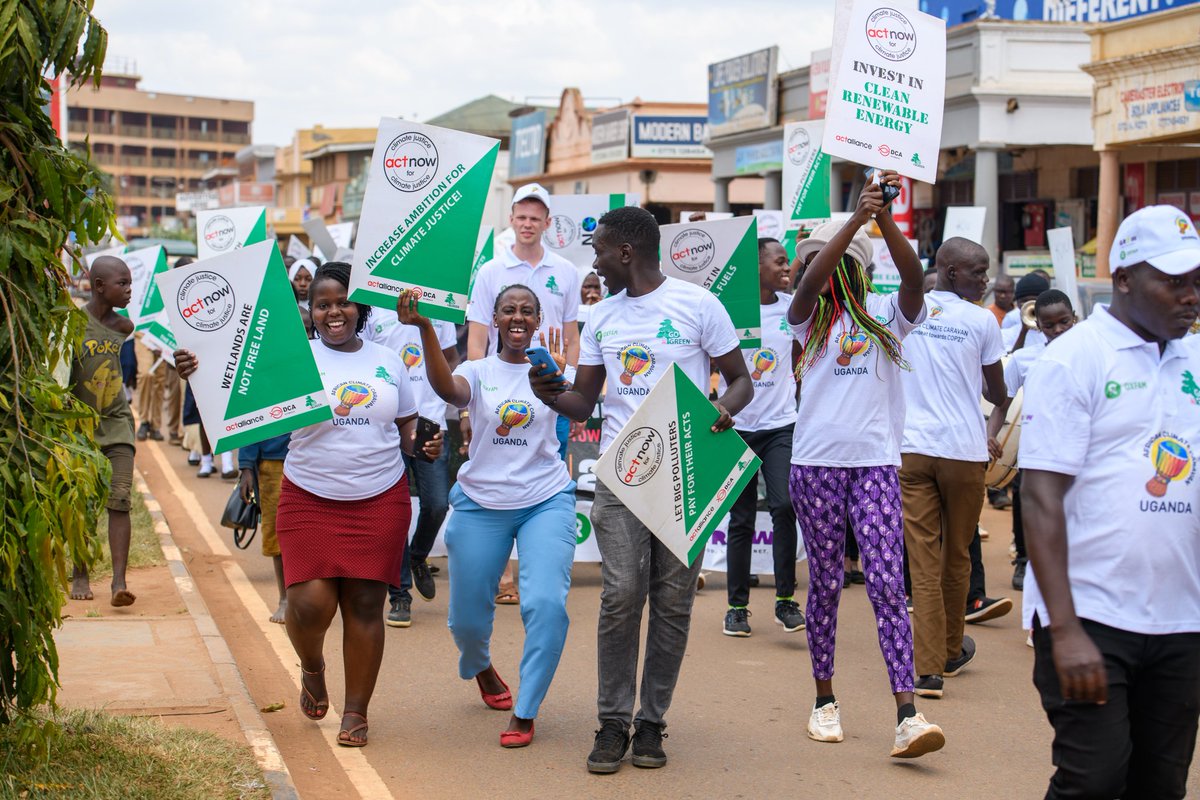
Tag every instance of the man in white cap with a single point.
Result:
(552, 278)
(1110, 431)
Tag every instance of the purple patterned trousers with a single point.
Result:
(823, 496)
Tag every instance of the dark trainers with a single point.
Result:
(612, 740)
(789, 615)
(929, 686)
(400, 615)
(955, 665)
(647, 746)
(143, 432)
(986, 608)
(423, 580)
(735, 622)
(1018, 581)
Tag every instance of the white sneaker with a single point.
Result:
(825, 724)
(916, 736)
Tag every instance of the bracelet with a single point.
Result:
(464, 413)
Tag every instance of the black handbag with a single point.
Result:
(243, 516)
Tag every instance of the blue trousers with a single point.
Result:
(479, 541)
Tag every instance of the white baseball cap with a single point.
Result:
(1162, 236)
(532, 191)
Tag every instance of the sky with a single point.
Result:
(347, 63)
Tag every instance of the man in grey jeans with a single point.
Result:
(631, 339)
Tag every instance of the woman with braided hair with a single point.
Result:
(846, 449)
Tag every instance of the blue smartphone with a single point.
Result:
(541, 357)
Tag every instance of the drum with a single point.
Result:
(1001, 471)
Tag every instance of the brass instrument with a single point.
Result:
(1028, 317)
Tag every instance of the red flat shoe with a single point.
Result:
(501, 701)
(516, 738)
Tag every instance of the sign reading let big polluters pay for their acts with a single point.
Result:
(669, 468)
(256, 377)
(420, 217)
(886, 109)
(721, 256)
(226, 229)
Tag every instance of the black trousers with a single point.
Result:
(1140, 743)
(1018, 523)
(975, 589)
(774, 447)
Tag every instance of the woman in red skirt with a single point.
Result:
(344, 507)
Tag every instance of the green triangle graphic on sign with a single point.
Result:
(448, 240)
(259, 232)
(740, 294)
(275, 345)
(153, 302)
(812, 201)
(616, 201)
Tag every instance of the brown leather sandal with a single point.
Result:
(320, 708)
(346, 736)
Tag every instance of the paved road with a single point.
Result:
(736, 727)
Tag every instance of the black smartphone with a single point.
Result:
(426, 430)
(890, 192)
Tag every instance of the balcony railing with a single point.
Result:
(235, 138)
(201, 136)
(163, 133)
(168, 163)
(134, 130)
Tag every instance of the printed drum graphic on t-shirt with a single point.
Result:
(1172, 460)
(513, 414)
(762, 361)
(636, 359)
(851, 345)
(352, 394)
(411, 355)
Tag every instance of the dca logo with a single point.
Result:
(219, 232)
(410, 162)
(205, 301)
(890, 34)
(692, 250)
(639, 456)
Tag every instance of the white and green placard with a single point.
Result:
(885, 275)
(224, 230)
(669, 468)
(296, 248)
(256, 377)
(805, 174)
(573, 221)
(721, 256)
(485, 251)
(420, 217)
(144, 265)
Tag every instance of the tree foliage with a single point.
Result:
(52, 478)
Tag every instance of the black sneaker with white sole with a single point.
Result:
(929, 686)
(986, 608)
(789, 615)
(423, 580)
(736, 623)
(956, 665)
(612, 740)
(648, 751)
(400, 614)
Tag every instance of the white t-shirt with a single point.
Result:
(637, 339)
(555, 281)
(1010, 329)
(851, 401)
(1017, 367)
(770, 367)
(405, 340)
(357, 453)
(943, 389)
(513, 456)
(1103, 406)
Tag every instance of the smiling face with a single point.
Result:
(612, 262)
(301, 283)
(334, 317)
(516, 318)
(773, 267)
(529, 220)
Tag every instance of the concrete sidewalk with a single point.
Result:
(164, 657)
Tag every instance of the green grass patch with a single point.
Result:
(107, 757)
(144, 550)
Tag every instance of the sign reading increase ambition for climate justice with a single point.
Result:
(420, 217)
(721, 256)
(886, 107)
(256, 377)
(669, 468)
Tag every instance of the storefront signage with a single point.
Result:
(610, 136)
(656, 136)
(956, 12)
(741, 93)
(527, 154)
(752, 159)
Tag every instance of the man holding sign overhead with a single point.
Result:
(649, 325)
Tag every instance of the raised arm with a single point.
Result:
(452, 389)
(911, 295)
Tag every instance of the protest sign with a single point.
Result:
(485, 251)
(964, 221)
(573, 220)
(420, 217)
(770, 223)
(320, 237)
(886, 107)
(342, 235)
(227, 229)
(256, 377)
(685, 215)
(1062, 254)
(805, 174)
(886, 277)
(721, 256)
(669, 468)
(296, 248)
(144, 265)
